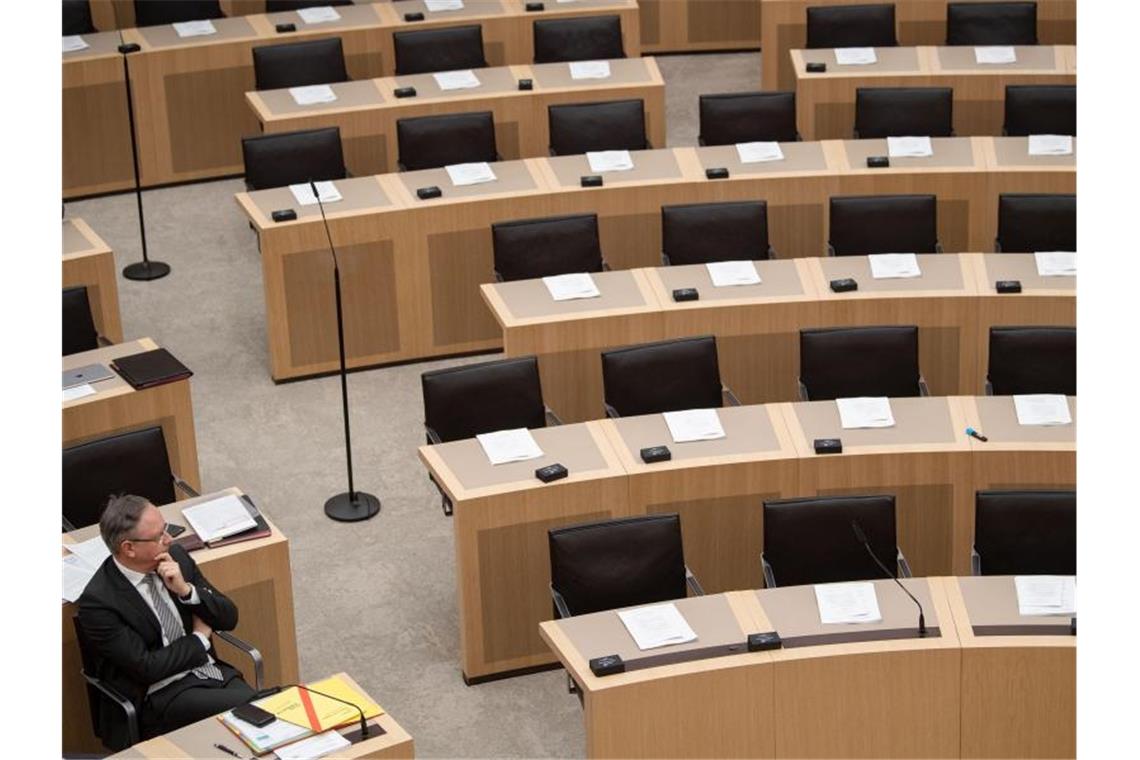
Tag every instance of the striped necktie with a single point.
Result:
(172, 626)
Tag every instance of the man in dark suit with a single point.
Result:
(148, 614)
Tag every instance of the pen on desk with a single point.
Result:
(226, 749)
(975, 434)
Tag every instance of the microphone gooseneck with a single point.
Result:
(861, 537)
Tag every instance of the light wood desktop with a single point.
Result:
(690, 26)
(89, 262)
(255, 574)
(116, 407)
(96, 130)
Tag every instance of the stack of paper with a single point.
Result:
(865, 412)
(888, 266)
(589, 69)
(1042, 409)
(195, 28)
(694, 425)
(847, 603)
(609, 161)
(909, 147)
(318, 15)
(435, 6)
(464, 79)
(756, 152)
(312, 94)
(504, 446)
(657, 625)
(79, 391)
(568, 287)
(74, 42)
(80, 565)
(1046, 594)
(995, 54)
(855, 56)
(1056, 263)
(265, 738)
(313, 747)
(1050, 145)
(470, 174)
(304, 193)
(219, 518)
(728, 273)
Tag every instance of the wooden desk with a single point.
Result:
(116, 407)
(783, 27)
(96, 131)
(89, 262)
(256, 575)
(690, 26)
(825, 103)
(1013, 170)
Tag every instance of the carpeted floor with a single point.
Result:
(375, 599)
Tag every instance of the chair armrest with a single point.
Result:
(830, 249)
(102, 341)
(904, 566)
(128, 707)
(799, 137)
(498, 276)
(975, 562)
(67, 526)
(610, 411)
(184, 487)
(997, 246)
(551, 417)
(694, 584)
(665, 262)
(938, 247)
(922, 389)
(606, 266)
(803, 390)
(989, 387)
(433, 437)
(252, 651)
(769, 577)
(727, 393)
(772, 252)
(559, 603)
(701, 141)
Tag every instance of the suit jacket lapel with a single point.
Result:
(142, 612)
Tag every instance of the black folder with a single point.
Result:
(150, 368)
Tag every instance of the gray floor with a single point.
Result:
(375, 599)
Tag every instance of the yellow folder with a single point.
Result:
(318, 713)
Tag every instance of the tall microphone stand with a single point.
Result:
(145, 269)
(354, 505)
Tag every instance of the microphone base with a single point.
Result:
(355, 736)
(343, 508)
(146, 270)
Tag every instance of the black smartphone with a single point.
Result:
(174, 531)
(254, 715)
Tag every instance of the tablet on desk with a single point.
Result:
(88, 373)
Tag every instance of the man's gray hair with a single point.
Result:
(120, 517)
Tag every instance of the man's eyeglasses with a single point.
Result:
(165, 532)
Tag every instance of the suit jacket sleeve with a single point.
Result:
(214, 608)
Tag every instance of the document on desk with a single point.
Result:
(589, 69)
(312, 94)
(725, 274)
(657, 625)
(855, 56)
(995, 54)
(194, 28)
(1046, 594)
(262, 739)
(80, 564)
(503, 446)
(847, 603)
(435, 6)
(694, 425)
(1056, 263)
(1042, 409)
(568, 287)
(865, 412)
(1050, 145)
(758, 152)
(313, 747)
(303, 193)
(319, 15)
(79, 391)
(890, 266)
(909, 147)
(464, 79)
(93, 551)
(470, 174)
(73, 42)
(609, 160)
(219, 518)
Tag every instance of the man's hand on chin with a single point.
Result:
(171, 575)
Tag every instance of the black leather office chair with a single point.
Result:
(667, 376)
(580, 127)
(839, 26)
(991, 24)
(867, 224)
(847, 362)
(740, 117)
(586, 38)
(1040, 109)
(903, 111)
(1031, 222)
(1025, 533)
(297, 64)
(553, 245)
(289, 158)
(812, 540)
(134, 462)
(79, 332)
(451, 48)
(151, 13)
(277, 6)
(698, 233)
(1032, 359)
(77, 18)
(429, 142)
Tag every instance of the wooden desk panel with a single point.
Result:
(1012, 170)
(89, 262)
(681, 26)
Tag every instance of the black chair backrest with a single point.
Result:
(1031, 222)
(529, 248)
(297, 64)
(739, 117)
(667, 376)
(578, 39)
(448, 49)
(1026, 532)
(429, 142)
(151, 13)
(812, 540)
(846, 362)
(1040, 109)
(462, 402)
(288, 158)
(581, 127)
(1033, 360)
(903, 111)
(276, 6)
(78, 325)
(991, 24)
(134, 463)
(618, 563)
(836, 26)
(77, 18)
(866, 224)
(698, 233)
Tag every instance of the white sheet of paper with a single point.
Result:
(313, 747)
(728, 273)
(464, 79)
(995, 54)
(74, 42)
(609, 160)
(504, 446)
(304, 193)
(312, 94)
(890, 266)
(1056, 263)
(855, 56)
(757, 152)
(277, 732)
(865, 412)
(1046, 594)
(195, 28)
(218, 518)
(470, 174)
(76, 575)
(657, 625)
(909, 147)
(568, 287)
(694, 425)
(847, 603)
(1042, 409)
(78, 391)
(320, 15)
(435, 6)
(92, 551)
(1050, 145)
(589, 69)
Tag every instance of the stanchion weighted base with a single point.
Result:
(146, 270)
(343, 508)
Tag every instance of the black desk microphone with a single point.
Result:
(862, 538)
